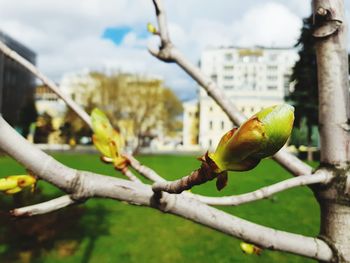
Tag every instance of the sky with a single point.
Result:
(110, 35)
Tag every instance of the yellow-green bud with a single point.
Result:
(6, 184)
(151, 28)
(260, 136)
(16, 183)
(107, 140)
(250, 249)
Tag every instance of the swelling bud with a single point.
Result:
(107, 140)
(261, 136)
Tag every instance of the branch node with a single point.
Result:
(78, 189)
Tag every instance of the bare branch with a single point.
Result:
(267, 191)
(144, 170)
(82, 184)
(130, 175)
(45, 207)
(161, 17)
(169, 53)
(35, 71)
(197, 177)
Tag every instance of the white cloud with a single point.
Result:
(271, 24)
(67, 34)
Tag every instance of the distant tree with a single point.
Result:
(304, 97)
(43, 128)
(141, 107)
(305, 94)
(27, 115)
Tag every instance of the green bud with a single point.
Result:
(107, 140)
(260, 136)
(151, 28)
(16, 183)
(6, 184)
(250, 249)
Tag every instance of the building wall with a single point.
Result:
(190, 123)
(252, 78)
(16, 83)
(46, 101)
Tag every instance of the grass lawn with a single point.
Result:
(111, 231)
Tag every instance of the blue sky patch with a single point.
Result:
(117, 34)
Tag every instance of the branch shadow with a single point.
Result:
(28, 239)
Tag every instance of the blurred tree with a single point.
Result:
(304, 97)
(141, 107)
(27, 115)
(43, 128)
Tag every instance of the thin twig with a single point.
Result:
(235, 200)
(143, 170)
(267, 191)
(130, 175)
(45, 207)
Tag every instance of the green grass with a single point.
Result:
(111, 231)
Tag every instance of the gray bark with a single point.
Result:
(333, 83)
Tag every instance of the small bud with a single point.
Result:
(107, 140)
(14, 190)
(152, 29)
(250, 249)
(6, 184)
(16, 183)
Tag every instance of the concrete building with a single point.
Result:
(46, 101)
(252, 78)
(16, 85)
(190, 131)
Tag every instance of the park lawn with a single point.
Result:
(112, 231)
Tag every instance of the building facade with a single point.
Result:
(252, 78)
(17, 86)
(190, 128)
(47, 102)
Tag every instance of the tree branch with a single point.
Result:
(35, 71)
(81, 185)
(130, 175)
(169, 53)
(45, 207)
(267, 191)
(161, 19)
(144, 170)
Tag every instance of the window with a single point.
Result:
(272, 68)
(210, 125)
(227, 67)
(228, 77)
(272, 87)
(210, 109)
(210, 142)
(214, 77)
(228, 87)
(272, 78)
(228, 56)
(222, 125)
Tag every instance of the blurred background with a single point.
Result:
(260, 53)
